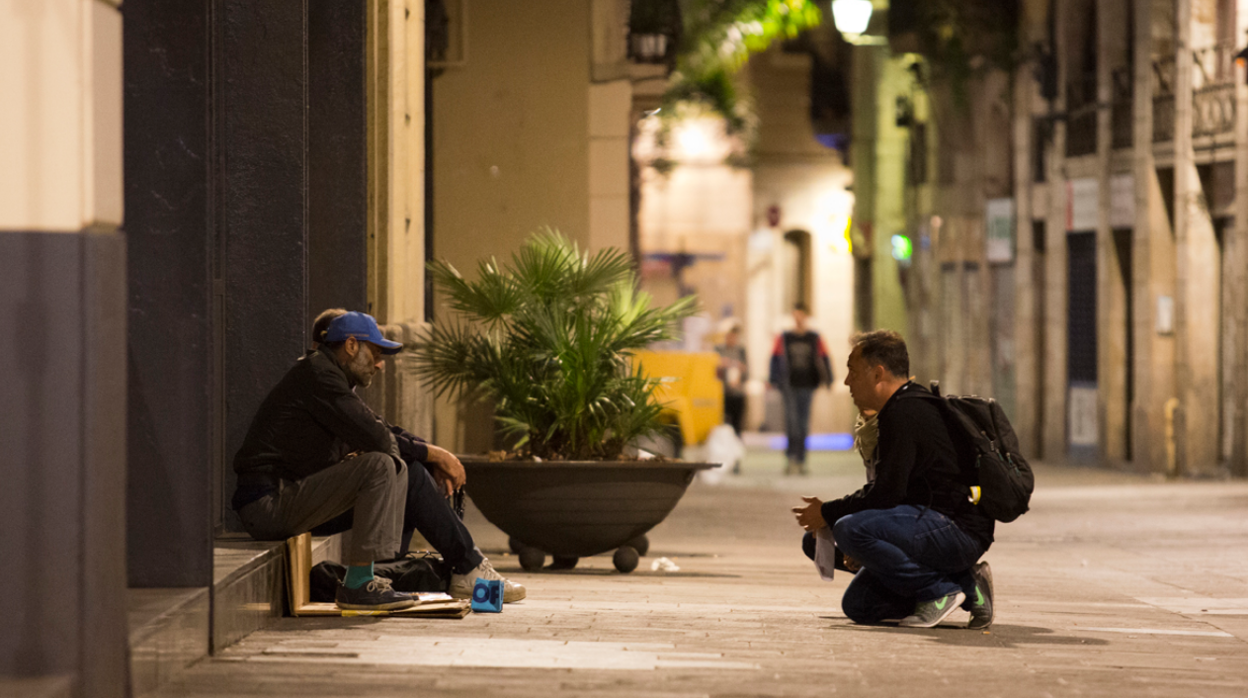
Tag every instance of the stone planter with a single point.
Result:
(573, 509)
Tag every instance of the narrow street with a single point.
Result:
(1113, 585)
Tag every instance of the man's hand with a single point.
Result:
(446, 469)
(810, 517)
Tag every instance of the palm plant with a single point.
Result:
(548, 339)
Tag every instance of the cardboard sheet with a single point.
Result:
(298, 586)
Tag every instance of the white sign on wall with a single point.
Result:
(1082, 410)
(1081, 204)
(1000, 230)
(1122, 201)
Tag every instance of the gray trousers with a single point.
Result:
(374, 484)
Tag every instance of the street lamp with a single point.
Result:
(1242, 59)
(851, 16)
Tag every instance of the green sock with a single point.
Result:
(358, 576)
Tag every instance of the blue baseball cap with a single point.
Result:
(363, 327)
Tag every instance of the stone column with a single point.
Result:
(1111, 290)
(1237, 249)
(337, 157)
(1027, 352)
(63, 290)
(1055, 383)
(1196, 298)
(262, 139)
(1151, 267)
(173, 443)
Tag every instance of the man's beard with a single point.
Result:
(361, 368)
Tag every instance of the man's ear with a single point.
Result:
(352, 346)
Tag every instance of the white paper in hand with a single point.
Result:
(825, 553)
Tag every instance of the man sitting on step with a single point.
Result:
(316, 458)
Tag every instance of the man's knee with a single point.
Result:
(845, 530)
(808, 545)
(376, 466)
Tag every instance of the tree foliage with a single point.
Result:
(548, 340)
(718, 37)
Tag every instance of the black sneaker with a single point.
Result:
(981, 605)
(929, 613)
(376, 595)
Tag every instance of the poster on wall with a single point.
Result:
(1122, 201)
(1000, 230)
(1081, 204)
(1083, 427)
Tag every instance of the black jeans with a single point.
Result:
(734, 410)
(427, 511)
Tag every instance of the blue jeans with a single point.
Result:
(909, 555)
(797, 421)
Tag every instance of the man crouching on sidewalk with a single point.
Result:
(316, 453)
(913, 530)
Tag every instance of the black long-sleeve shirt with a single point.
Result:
(310, 420)
(918, 465)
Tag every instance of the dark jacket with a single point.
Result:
(310, 420)
(919, 464)
(806, 347)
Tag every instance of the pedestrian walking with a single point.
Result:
(799, 364)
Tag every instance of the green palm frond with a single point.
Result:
(547, 340)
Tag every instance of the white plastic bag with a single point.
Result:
(723, 446)
(825, 553)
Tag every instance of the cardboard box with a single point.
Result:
(299, 569)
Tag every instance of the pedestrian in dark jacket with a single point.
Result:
(914, 530)
(799, 364)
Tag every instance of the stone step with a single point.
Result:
(36, 687)
(171, 629)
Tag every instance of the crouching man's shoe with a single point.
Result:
(981, 605)
(376, 595)
(927, 614)
(461, 584)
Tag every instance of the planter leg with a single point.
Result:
(641, 544)
(626, 559)
(563, 562)
(532, 559)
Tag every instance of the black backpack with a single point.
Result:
(1005, 479)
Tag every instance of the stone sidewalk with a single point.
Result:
(1113, 585)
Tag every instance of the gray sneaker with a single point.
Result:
(929, 613)
(376, 595)
(981, 606)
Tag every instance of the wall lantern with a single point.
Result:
(851, 16)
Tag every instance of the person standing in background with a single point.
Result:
(799, 364)
(733, 372)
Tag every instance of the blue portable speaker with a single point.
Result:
(487, 596)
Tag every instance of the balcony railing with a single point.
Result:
(1213, 93)
(1163, 99)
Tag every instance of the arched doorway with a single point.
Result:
(797, 281)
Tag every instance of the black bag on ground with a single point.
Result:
(1005, 478)
(416, 571)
